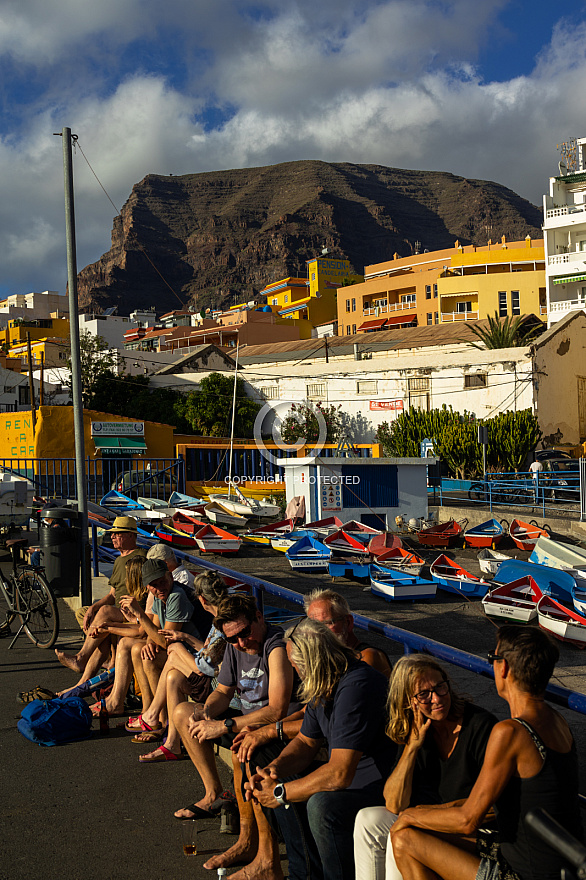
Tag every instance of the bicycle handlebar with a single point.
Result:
(550, 831)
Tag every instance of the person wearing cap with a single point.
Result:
(171, 611)
(180, 574)
(106, 610)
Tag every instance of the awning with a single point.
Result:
(120, 445)
(295, 307)
(567, 279)
(401, 319)
(379, 323)
(373, 325)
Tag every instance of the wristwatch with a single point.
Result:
(229, 724)
(280, 795)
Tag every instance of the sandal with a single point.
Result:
(38, 693)
(150, 736)
(165, 755)
(135, 724)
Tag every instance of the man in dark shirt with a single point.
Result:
(345, 706)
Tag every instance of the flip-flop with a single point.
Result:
(198, 813)
(38, 693)
(154, 736)
(95, 709)
(133, 725)
(166, 755)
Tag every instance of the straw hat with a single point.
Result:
(124, 524)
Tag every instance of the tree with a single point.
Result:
(304, 421)
(97, 360)
(209, 409)
(504, 333)
(511, 437)
(131, 396)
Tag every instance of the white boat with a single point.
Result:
(558, 555)
(309, 554)
(563, 623)
(515, 601)
(283, 542)
(220, 515)
(393, 585)
(489, 560)
(16, 498)
(212, 539)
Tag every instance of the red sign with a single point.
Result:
(396, 405)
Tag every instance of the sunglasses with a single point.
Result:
(492, 658)
(440, 690)
(243, 634)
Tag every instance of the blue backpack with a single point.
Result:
(52, 722)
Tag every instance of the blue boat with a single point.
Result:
(551, 581)
(349, 567)
(452, 578)
(487, 534)
(309, 554)
(392, 585)
(119, 502)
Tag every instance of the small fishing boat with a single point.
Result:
(169, 535)
(551, 581)
(185, 523)
(557, 554)
(525, 535)
(393, 585)
(563, 623)
(120, 503)
(440, 535)
(184, 502)
(579, 591)
(236, 502)
(264, 534)
(325, 526)
(153, 503)
(452, 578)
(221, 515)
(357, 528)
(309, 554)
(487, 534)
(515, 601)
(283, 542)
(349, 566)
(342, 541)
(489, 560)
(213, 539)
(381, 544)
(403, 560)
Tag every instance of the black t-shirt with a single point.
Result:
(438, 781)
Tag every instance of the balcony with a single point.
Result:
(568, 261)
(393, 307)
(448, 317)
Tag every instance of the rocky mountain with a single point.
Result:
(215, 238)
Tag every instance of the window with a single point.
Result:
(408, 298)
(348, 330)
(274, 302)
(419, 388)
(286, 297)
(353, 328)
(62, 355)
(313, 276)
(316, 389)
(24, 394)
(435, 291)
(515, 303)
(428, 291)
(429, 318)
(464, 306)
(347, 305)
(379, 303)
(366, 386)
(582, 244)
(502, 303)
(436, 317)
(353, 305)
(475, 380)
(269, 392)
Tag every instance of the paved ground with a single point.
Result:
(91, 810)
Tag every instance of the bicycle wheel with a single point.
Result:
(37, 608)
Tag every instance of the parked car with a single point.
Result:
(149, 484)
(543, 454)
(560, 479)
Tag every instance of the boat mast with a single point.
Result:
(233, 420)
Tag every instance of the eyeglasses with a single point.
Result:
(439, 690)
(492, 658)
(243, 634)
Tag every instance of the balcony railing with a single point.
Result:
(563, 211)
(564, 259)
(393, 307)
(459, 316)
(567, 305)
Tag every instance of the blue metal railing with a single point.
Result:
(559, 491)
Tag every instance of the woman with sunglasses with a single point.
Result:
(443, 739)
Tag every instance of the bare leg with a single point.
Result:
(77, 662)
(424, 856)
(153, 669)
(177, 688)
(156, 714)
(267, 863)
(140, 673)
(246, 847)
(122, 676)
(202, 757)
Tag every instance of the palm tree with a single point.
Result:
(503, 333)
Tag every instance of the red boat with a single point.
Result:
(188, 524)
(402, 559)
(343, 542)
(525, 535)
(441, 535)
(381, 544)
(172, 536)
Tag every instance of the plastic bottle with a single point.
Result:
(104, 725)
(222, 872)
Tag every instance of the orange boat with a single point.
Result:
(525, 535)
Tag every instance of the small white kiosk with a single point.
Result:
(364, 489)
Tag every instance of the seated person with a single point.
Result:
(94, 652)
(530, 762)
(344, 705)
(183, 576)
(172, 610)
(443, 740)
(188, 672)
(256, 666)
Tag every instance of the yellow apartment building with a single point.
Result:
(462, 283)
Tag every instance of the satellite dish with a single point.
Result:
(563, 169)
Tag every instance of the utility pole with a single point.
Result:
(42, 381)
(86, 582)
(327, 353)
(31, 383)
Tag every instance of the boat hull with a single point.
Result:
(516, 601)
(561, 623)
(349, 568)
(443, 535)
(525, 535)
(489, 561)
(486, 534)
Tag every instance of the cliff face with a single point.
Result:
(203, 239)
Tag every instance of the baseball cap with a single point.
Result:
(124, 524)
(152, 570)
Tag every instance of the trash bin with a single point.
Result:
(60, 542)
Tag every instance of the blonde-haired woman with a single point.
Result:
(443, 739)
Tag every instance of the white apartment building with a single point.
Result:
(564, 232)
(46, 304)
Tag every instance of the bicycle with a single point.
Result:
(29, 597)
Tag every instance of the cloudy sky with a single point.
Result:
(481, 88)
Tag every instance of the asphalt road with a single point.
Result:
(90, 810)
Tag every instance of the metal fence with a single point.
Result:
(56, 477)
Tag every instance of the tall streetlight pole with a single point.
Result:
(86, 584)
